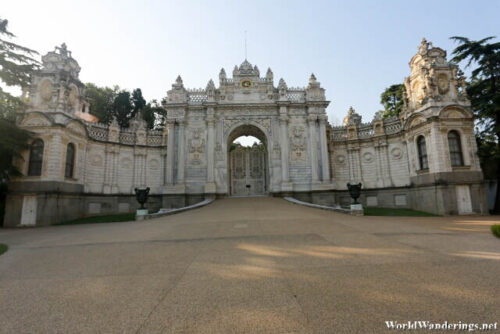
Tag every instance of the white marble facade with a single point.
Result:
(304, 152)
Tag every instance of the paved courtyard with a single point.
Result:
(249, 265)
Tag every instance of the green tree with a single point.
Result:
(101, 101)
(123, 108)
(16, 65)
(138, 101)
(392, 100)
(154, 115)
(484, 92)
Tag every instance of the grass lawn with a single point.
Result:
(3, 248)
(372, 211)
(495, 229)
(125, 217)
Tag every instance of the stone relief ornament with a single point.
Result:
(367, 157)
(298, 144)
(154, 164)
(443, 84)
(396, 153)
(340, 159)
(126, 163)
(96, 160)
(196, 146)
(46, 90)
(73, 96)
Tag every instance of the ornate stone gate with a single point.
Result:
(202, 124)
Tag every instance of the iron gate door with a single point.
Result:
(248, 171)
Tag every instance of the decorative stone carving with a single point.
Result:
(298, 144)
(154, 164)
(46, 88)
(352, 118)
(126, 163)
(443, 84)
(96, 160)
(396, 153)
(196, 146)
(114, 131)
(36, 120)
(77, 129)
(367, 157)
(340, 159)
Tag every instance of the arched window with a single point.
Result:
(455, 149)
(36, 158)
(422, 153)
(70, 161)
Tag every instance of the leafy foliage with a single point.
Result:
(392, 100)
(484, 94)
(154, 115)
(106, 103)
(101, 101)
(16, 65)
(123, 108)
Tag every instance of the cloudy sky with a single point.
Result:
(355, 48)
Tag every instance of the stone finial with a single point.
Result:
(222, 75)
(352, 118)
(312, 79)
(178, 83)
(256, 70)
(424, 46)
(269, 74)
(282, 85)
(114, 123)
(63, 50)
(210, 85)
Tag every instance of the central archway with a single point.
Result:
(248, 171)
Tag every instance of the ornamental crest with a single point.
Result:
(298, 144)
(196, 146)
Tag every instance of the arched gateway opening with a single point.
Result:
(247, 162)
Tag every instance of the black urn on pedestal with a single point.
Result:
(354, 191)
(142, 196)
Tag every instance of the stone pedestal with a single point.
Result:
(140, 213)
(357, 210)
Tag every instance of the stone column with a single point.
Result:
(169, 173)
(181, 149)
(324, 148)
(210, 186)
(311, 119)
(284, 145)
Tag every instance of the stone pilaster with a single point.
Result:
(325, 168)
(169, 166)
(181, 149)
(210, 184)
(284, 146)
(311, 119)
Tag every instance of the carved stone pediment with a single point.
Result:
(77, 128)
(36, 120)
